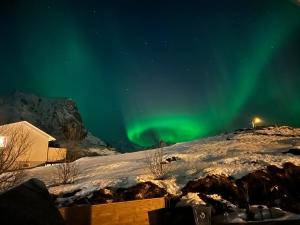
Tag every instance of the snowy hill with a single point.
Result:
(59, 117)
(229, 172)
(235, 154)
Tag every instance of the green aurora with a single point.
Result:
(148, 130)
(169, 71)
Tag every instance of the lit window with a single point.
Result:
(3, 141)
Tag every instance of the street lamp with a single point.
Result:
(255, 121)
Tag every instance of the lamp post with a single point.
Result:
(255, 121)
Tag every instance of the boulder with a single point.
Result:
(29, 204)
(140, 191)
(217, 206)
(294, 151)
(258, 186)
(102, 196)
(272, 186)
(215, 184)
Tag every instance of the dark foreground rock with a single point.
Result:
(102, 196)
(215, 184)
(272, 186)
(294, 151)
(140, 191)
(29, 204)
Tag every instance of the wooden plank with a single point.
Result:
(119, 213)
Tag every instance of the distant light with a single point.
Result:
(255, 121)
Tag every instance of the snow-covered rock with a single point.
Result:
(190, 199)
(59, 117)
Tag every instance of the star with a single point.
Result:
(93, 12)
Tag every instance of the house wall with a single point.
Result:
(56, 154)
(120, 213)
(37, 152)
(38, 149)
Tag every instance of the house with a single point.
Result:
(30, 144)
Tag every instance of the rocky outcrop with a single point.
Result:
(272, 186)
(59, 117)
(102, 196)
(222, 185)
(28, 204)
(140, 191)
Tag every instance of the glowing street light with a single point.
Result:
(255, 121)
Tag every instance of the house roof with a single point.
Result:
(25, 123)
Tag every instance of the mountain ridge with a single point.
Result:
(59, 117)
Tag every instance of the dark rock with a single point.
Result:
(102, 196)
(258, 185)
(292, 170)
(218, 207)
(224, 186)
(29, 204)
(294, 151)
(272, 186)
(292, 181)
(172, 159)
(140, 191)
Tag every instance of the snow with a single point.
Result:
(190, 199)
(234, 154)
(220, 199)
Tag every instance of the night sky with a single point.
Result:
(145, 71)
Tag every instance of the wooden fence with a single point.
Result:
(120, 213)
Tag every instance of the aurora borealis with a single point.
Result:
(148, 71)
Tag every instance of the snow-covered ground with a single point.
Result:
(234, 154)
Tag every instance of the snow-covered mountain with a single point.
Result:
(59, 117)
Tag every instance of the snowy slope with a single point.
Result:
(235, 154)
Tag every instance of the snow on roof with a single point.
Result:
(50, 138)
